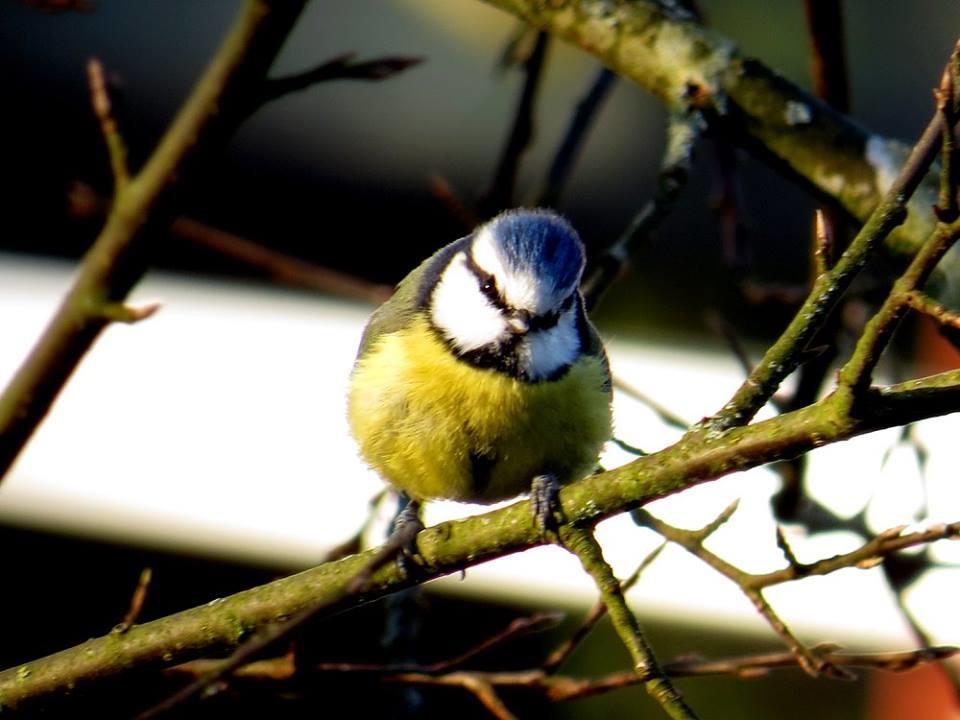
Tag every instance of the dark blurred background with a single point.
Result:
(340, 175)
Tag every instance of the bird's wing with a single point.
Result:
(410, 297)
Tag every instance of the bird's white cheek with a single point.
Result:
(462, 312)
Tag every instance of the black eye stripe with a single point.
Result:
(487, 282)
(488, 286)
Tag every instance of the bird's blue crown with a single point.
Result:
(539, 242)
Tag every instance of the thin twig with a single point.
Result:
(683, 132)
(947, 209)
(502, 188)
(560, 688)
(867, 555)
(627, 447)
(100, 100)
(667, 416)
(563, 651)
(341, 67)
(786, 353)
(278, 266)
(828, 55)
(752, 585)
(940, 314)
(117, 259)
(582, 543)
(857, 373)
(84, 202)
(573, 140)
(807, 658)
(517, 628)
(136, 601)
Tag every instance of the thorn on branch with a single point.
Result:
(719, 521)
(124, 313)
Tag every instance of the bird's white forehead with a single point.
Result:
(519, 289)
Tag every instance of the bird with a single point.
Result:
(482, 378)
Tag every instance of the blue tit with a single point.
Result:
(482, 372)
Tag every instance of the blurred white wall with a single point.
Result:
(217, 427)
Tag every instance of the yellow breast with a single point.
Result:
(438, 427)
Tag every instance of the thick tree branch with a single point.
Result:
(786, 127)
(452, 546)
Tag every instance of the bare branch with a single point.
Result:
(501, 193)
(136, 601)
(449, 547)
(583, 544)
(108, 126)
(599, 610)
(667, 416)
(828, 55)
(683, 132)
(116, 262)
(85, 202)
(576, 134)
(342, 67)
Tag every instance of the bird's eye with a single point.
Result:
(488, 285)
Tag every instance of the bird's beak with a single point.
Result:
(519, 322)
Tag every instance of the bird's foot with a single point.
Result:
(545, 501)
(406, 525)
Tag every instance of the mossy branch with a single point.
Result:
(669, 53)
(449, 547)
